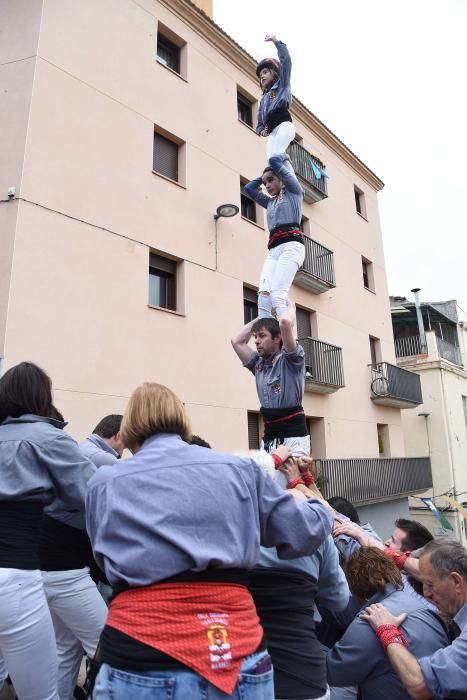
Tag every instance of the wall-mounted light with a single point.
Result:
(226, 210)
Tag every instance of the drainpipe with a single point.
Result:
(421, 328)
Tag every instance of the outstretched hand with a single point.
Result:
(270, 37)
(290, 469)
(377, 615)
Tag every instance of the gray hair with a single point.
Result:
(446, 557)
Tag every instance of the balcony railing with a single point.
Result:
(412, 345)
(317, 272)
(324, 372)
(449, 352)
(372, 480)
(393, 386)
(315, 188)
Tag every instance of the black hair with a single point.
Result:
(108, 426)
(25, 388)
(416, 534)
(197, 440)
(342, 505)
(55, 413)
(269, 324)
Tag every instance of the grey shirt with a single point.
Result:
(280, 378)
(359, 659)
(445, 671)
(42, 464)
(174, 507)
(98, 450)
(286, 207)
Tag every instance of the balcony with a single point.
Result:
(393, 386)
(317, 272)
(315, 188)
(324, 372)
(365, 481)
(432, 348)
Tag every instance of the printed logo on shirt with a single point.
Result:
(276, 388)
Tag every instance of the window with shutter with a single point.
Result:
(248, 207)
(250, 304)
(162, 282)
(165, 160)
(244, 109)
(253, 431)
(303, 324)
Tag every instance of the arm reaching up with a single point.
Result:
(240, 343)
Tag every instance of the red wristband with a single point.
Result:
(295, 482)
(390, 634)
(309, 479)
(277, 460)
(399, 558)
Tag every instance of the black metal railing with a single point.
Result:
(319, 262)
(448, 351)
(411, 345)
(301, 160)
(323, 362)
(372, 480)
(392, 382)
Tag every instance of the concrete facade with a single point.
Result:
(84, 94)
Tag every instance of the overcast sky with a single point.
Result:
(389, 78)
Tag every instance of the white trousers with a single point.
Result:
(280, 138)
(277, 275)
(297, 446)
(78, 614)
(27, 640)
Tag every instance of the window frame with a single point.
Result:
(368, 274)
(180, 145)
(360, 202)
(248, 104)
(250, 203)
(250, 305)
(169, 47)
(176, 42)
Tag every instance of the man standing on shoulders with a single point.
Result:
(104, 445)
(279, 368)
(443, 568)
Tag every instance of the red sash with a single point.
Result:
(209, 627)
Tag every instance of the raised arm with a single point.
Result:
(253, 191)
(284, 58)
(240, 343)
(286, 325)
(285, 172)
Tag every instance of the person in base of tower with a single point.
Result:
(274, 119)
(278, 365)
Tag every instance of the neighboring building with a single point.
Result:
(125, 126)
(439, 426)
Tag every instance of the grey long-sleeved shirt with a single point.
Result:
(286, 207)
(40, 463)
(279, 95)
(174, 507)
(359, 659)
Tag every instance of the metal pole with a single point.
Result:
(421, 329)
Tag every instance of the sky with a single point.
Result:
(388, 77)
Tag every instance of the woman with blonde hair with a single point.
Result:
(175, 529)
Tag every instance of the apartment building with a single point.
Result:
(435, 349)
(127, 125)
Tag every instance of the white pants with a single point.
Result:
(297, 446)
(279, 139)
(27, 640)
(78, 615)
(277, 275)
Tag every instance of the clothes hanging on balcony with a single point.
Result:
(318, 172)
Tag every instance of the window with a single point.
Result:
(250, 304)
(162, 282)
(245, 109)
(305, 225)
(383, 440)
(168, 53)
(375, 350)
(360, 202)
(367, 273)
(464, 402)
(303, 323)
(253, 431)
(166, 155)
(248, 207)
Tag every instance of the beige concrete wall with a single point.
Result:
(81, 273)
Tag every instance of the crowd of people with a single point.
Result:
(183, 572)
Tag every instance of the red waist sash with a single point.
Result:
(208, 627)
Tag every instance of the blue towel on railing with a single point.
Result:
(317, 171)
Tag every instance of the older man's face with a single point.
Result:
(443, 592)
